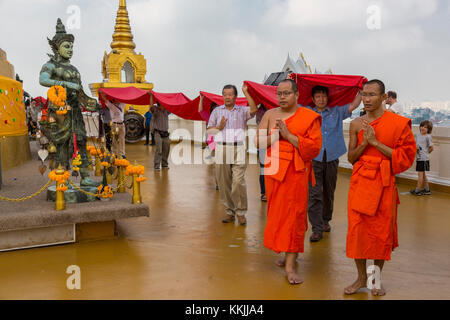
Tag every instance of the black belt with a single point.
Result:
(118, 122)
(232, 143)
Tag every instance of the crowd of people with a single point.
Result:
(298, 151)
(305, 143)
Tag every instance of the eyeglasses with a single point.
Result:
(284, 94)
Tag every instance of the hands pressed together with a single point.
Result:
(281, 126)
(369, 134)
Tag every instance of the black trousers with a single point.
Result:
(321, 196)
(108, 138)
(261, 159)
(147, 136)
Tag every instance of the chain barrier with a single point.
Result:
(124, 183)
(81, 190)
(29, 197)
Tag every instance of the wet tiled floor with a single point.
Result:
(183, 251)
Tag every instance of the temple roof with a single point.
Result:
(275, 78)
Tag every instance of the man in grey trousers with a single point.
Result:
(160, 129)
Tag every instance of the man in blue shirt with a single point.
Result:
(321, 196)
(148, 119)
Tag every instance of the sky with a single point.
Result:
(201, 45)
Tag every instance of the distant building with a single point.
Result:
(291, 66)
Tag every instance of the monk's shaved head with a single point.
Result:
(379, 83)
(294, 86)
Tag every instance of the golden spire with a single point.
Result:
(122, 37)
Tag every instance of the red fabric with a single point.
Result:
(170, 99)
(261, 93)
(178, 104)
(75, 146)
(40, 100)
(342, 88)
(182, 106)
(129, 95)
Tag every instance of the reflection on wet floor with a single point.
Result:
(183, 251)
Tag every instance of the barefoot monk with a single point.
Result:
(381, 146)
(293, 138)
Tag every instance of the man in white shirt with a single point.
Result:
(394, 105)
(116, 110)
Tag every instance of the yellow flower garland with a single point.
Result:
(60, 178)
(57, 95)
(107, 192)
(106, 164)
(132, 170)
(121, 162)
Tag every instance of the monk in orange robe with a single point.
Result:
(381, 146)
(293, 138)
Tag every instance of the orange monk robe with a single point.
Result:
(287, 187)
(373, 196)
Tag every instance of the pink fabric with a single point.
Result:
(210, 142)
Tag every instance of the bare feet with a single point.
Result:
(281, 262)
(378, 292)
(293, 277)
(360, 283)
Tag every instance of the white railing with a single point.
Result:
(439, 159)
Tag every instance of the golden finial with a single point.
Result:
(122, 37)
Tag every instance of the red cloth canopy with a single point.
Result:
(128, 95)
(178, 104)
(182, 106)
(342, 89)
(264, 94)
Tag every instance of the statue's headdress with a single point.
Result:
(59, 37)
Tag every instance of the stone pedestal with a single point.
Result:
(73, 195)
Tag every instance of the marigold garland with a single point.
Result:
(106, 164)
(141, 179)
(77, 161)
(61, 112)
(104, 192)
(60, 178)
(132, 170)
(62, 188)
(96, 152)
(121, 162)
(57, 95)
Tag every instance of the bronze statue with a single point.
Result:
(61, 129)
